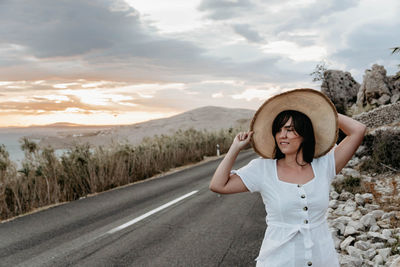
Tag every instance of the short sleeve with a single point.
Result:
(251, 175)
(326, 165)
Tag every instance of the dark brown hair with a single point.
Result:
(303, 126)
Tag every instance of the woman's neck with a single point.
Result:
(294, 160)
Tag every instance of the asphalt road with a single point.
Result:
(169, 221)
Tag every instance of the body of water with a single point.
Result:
(11, 141)
(11, 137)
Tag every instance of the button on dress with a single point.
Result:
(297, 232)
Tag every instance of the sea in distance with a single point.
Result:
(10, 138)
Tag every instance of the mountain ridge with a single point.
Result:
(211, 118)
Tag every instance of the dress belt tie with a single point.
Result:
(303, 229)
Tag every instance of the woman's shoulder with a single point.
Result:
(327, 156)
(325, 160)
(262, 162)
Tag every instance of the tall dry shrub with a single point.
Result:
(7, 184)
(46, 179)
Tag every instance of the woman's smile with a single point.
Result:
(288, 139)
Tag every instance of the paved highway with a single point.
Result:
(173, 220)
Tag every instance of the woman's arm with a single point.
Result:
(354, 131)
(223, 182)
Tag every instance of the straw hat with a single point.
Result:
(314, 104)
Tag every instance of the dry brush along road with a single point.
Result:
(173, 220)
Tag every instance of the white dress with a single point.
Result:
(297, 232)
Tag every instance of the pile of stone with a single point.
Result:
(350, 97)
(361, 230)
(383, 115)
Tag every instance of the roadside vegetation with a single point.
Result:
(45, 179)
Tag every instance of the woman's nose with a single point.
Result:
(283, 133)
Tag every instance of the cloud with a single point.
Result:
(246, 31)
(36, 105)
(68, 103)
(258, 44)
(103, 40)
(55, 96)
(90, 39)
(224, 9)
(253, 93)
(368, 44)
(291, 16)
(109, 40)
(66, 28)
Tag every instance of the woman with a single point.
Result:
(295, 134)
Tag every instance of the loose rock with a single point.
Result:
(377, 213)
(376, 237)
(349, 261)
(345, 196)
(385, 253)
(368, 220)
(362, 245)
(346, 242)
(378, 260)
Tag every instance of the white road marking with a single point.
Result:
(138, 219)
(64, 249)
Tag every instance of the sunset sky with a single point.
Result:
(121, 62)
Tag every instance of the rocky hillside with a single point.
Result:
(383, 115)
(364, 213)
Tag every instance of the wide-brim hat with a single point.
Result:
(312, 103)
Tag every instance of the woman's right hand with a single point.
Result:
(223, 182)
(242, 139)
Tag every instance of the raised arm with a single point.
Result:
(354, 131)
(223, 182)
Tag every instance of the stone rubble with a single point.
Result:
(361, 229)
(383, 115)
(377, 89)
(341, 88)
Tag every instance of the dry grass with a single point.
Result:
(384, 150)
(349, 184)
(45, 179)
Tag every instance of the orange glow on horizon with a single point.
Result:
(82, 102)
(8, 120)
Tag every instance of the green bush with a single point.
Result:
(384, 149)
(349, 184)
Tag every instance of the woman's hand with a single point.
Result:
(223, 182)
(354, 131)
(242, 139)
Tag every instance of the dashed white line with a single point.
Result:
(147, 214)
(81, 241)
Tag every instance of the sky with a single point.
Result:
(122, 62)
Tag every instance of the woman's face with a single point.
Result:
(288, 139)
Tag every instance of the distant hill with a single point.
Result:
(69, 125)
(61, 124)
(210, 118)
